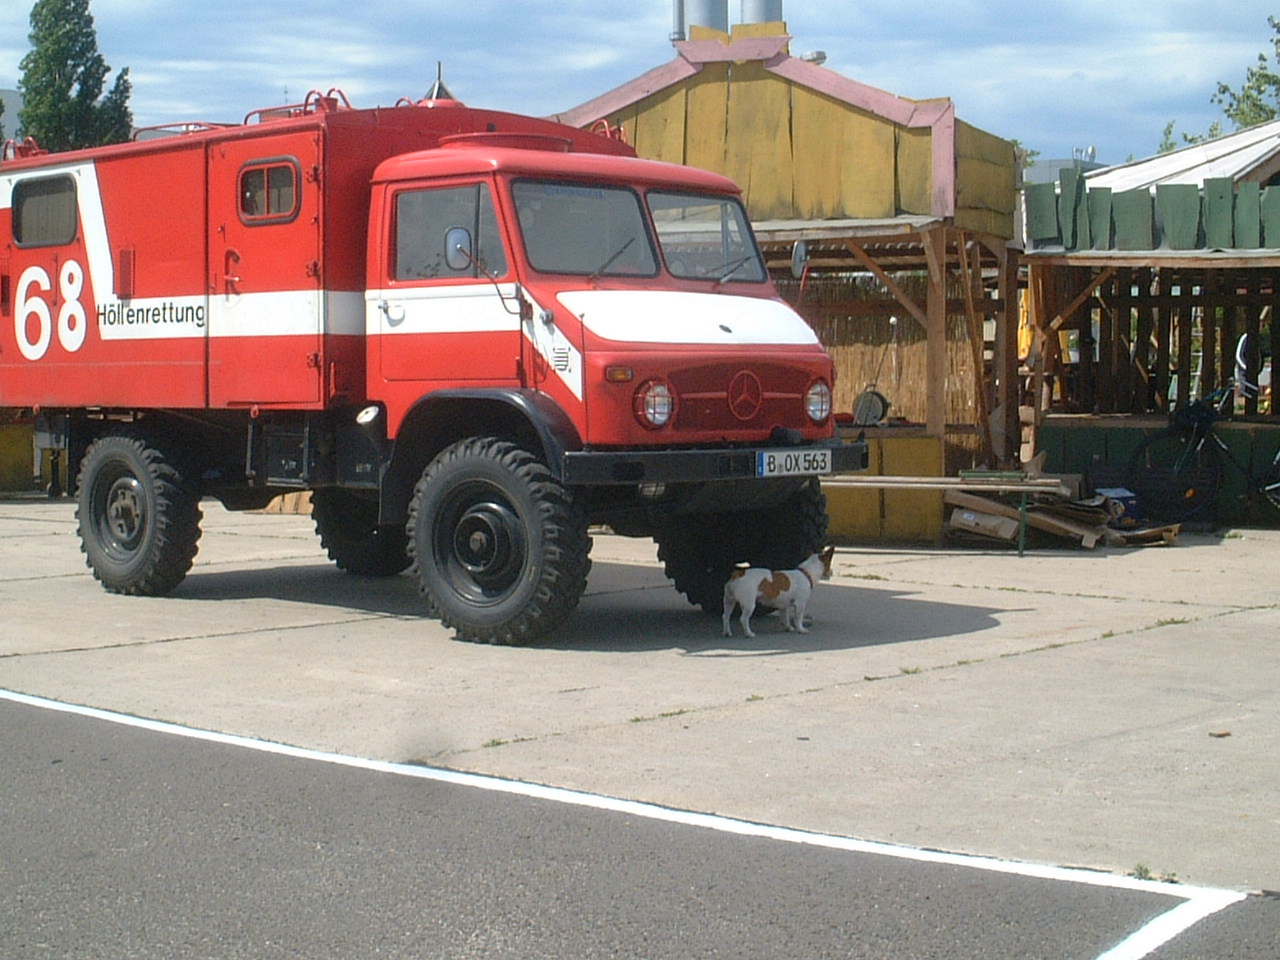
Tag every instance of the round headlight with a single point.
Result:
(654, 404)
(817, 401)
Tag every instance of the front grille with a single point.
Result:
(731, 396)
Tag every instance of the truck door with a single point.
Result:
(266, 303)
(447, 311)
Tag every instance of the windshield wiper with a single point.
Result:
(729, 269)
(609, 263)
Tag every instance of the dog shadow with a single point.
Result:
(840, 617)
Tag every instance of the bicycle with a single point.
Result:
(1177, 473)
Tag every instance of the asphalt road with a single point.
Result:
(129, 843)
(1096, 709)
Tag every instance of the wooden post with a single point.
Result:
(935, 249)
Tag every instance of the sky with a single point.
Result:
(1057, 77)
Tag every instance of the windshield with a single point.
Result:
(583, 229)
(705, 237)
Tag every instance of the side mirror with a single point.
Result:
(457, 249)
(799, 258)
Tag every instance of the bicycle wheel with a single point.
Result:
(1270, 485)
(1175, 475)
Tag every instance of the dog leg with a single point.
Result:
(798, 610)
(729, 604)
(747, 610)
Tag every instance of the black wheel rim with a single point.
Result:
(480, 543)
(121, 511)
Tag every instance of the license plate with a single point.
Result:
(792, 463)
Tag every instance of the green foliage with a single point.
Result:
(1257, 100)
(63, 78)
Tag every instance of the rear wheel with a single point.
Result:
(1176, 475)
(351, 535)
(139, 514)
(499, 548)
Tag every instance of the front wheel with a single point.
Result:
(499, 548)
(139, 514)
(1175, 475)
(699, 552)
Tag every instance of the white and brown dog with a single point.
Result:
(785, 590)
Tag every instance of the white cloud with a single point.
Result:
(1053, 76)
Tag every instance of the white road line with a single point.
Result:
(1199, 902)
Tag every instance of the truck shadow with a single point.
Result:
(628, 608)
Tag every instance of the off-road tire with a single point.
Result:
(138, 511)
(350, 534)
(699, 552)
(498, 546)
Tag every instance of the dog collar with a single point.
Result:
(809, 576)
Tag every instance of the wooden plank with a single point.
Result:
(1219, 213)
(1101, 232)
(935, 241)
(1081, 297)
(1042, 213)
(706, 120)
(758, 140)
(1087, 535)
(1071, 189)
(844, 160)
(915, 171)
(656, 125)
(899, 294)
(1271, 217)
(1133, 218)
(1248, 215)
(1084, 232)
(1179, 208)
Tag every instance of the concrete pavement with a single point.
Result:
(1113, 708)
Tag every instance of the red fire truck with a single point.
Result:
(470, 334)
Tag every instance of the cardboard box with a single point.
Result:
(1001, 528)
(1122, 504)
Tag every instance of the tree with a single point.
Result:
(1257, 100)
(62, 83)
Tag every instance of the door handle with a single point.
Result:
(394, 311)
(229, 260)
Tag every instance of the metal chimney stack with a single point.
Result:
(761, 11)
(702, 13)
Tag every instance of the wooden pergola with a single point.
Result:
(968, 276)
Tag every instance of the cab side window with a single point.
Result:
(44, 211)
(269, 192)
(427, 221)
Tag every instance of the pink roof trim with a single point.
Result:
(939, 115)
(744, 48)
(630, 92)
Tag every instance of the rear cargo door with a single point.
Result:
(266, 297)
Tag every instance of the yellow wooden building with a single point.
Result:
(907, 214)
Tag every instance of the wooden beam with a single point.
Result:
(971, 275)
(898, 293)
(936, 345)
(1084, 295)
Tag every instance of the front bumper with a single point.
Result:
(606, 468)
